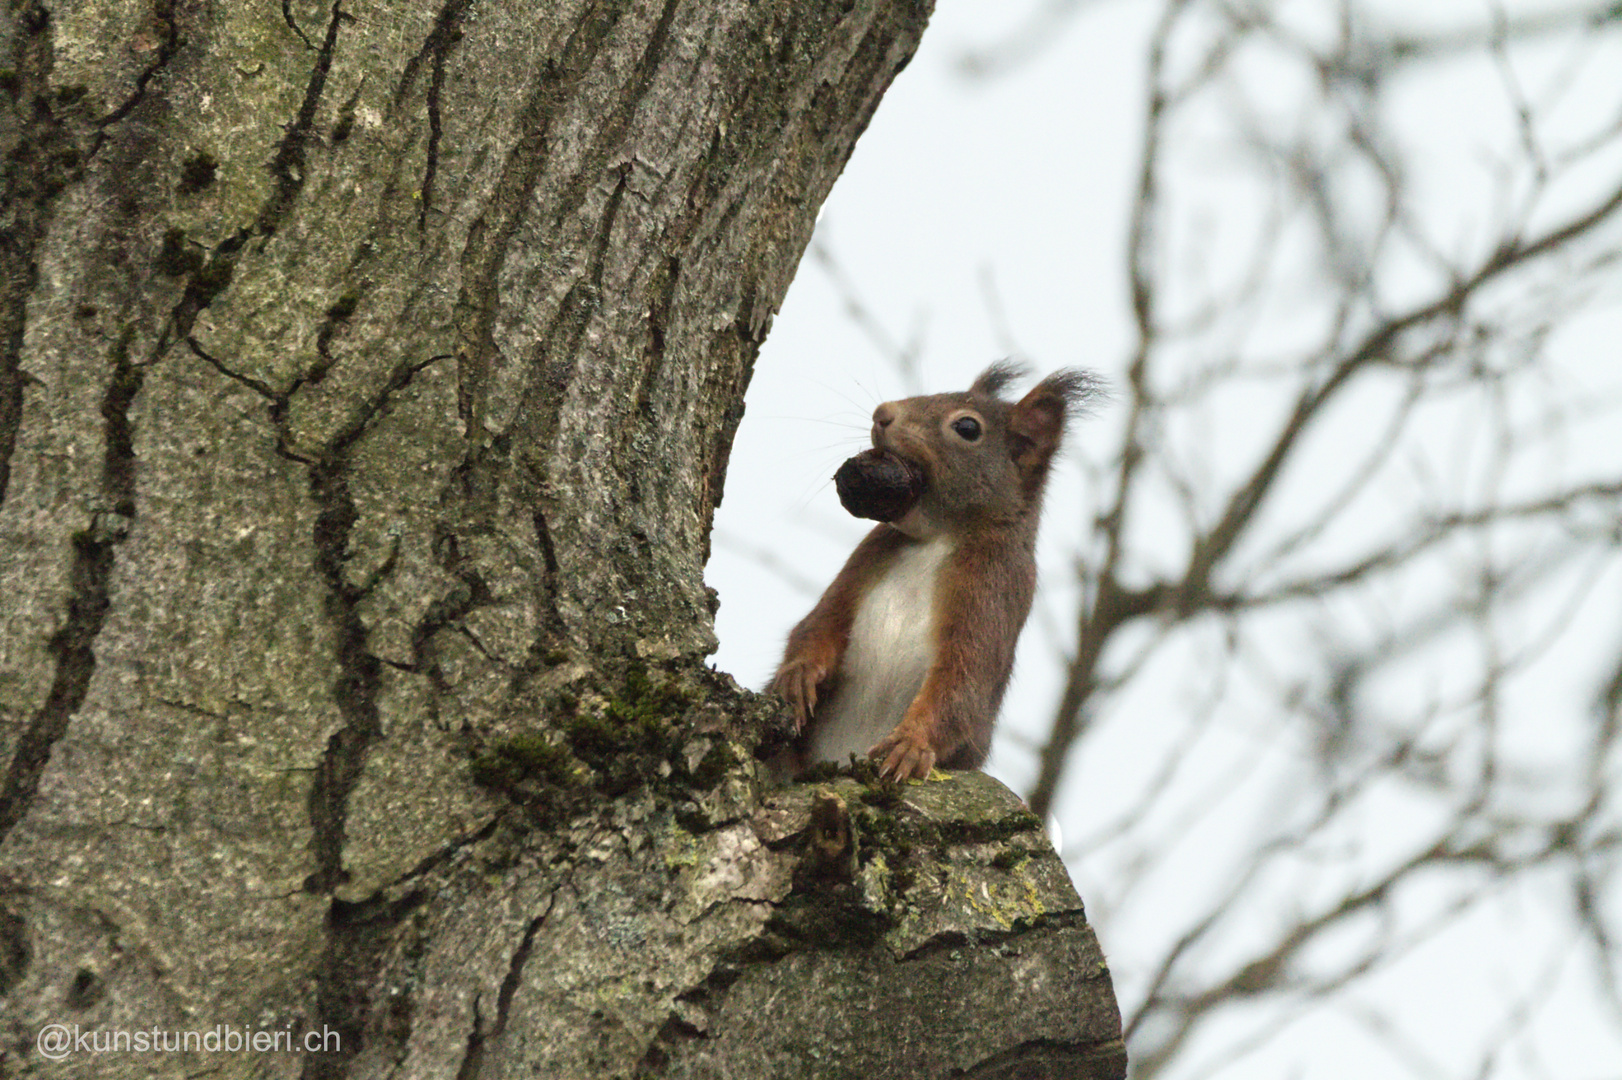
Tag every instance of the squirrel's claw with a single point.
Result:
(797, 684)
(904, 756)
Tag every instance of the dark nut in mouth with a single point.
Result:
(878, 485)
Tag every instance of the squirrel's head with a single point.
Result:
(984, 460)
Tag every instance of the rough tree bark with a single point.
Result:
(367, 380)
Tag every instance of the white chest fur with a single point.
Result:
(892, 644)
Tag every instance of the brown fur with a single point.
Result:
(984, 494)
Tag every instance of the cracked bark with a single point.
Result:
(367, 383)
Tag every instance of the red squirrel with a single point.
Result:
(907, 654)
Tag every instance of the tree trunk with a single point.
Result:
(368, 379)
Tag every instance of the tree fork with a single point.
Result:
(351, 674)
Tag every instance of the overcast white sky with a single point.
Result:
(982, 218)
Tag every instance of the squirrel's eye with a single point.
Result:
(967, 427)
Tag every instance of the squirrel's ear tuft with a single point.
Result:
(1036, 424)
(997, 376)
(1079, 389)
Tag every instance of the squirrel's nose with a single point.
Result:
(883, 417)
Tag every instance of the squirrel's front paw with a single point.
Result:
(903, 755)
(797, 682)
